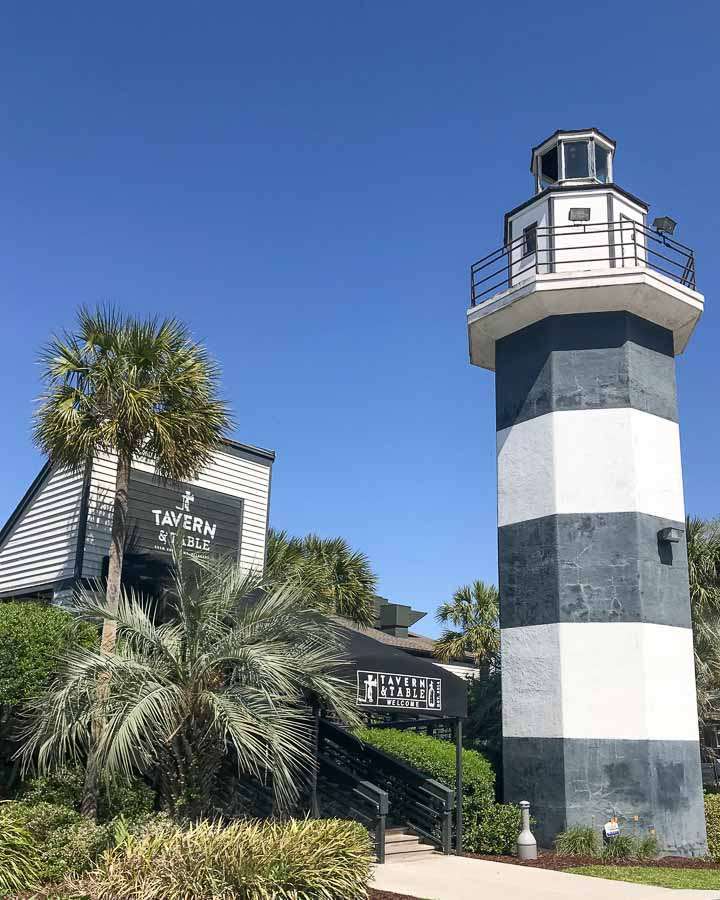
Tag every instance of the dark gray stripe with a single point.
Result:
(583, 781)
(599, 567)
(585, 361)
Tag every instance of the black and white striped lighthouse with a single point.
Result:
(580, 314)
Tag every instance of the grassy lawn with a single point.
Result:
(708, 879)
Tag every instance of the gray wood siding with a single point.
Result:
(234, 472)
(41, 547)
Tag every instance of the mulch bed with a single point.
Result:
(384, 895)
(548, 860)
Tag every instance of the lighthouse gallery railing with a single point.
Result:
(577, 247)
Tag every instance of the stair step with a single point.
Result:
(403, 837)
(424, 851)
(401, 848)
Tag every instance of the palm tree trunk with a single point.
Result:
(89, 805)
(117, 549)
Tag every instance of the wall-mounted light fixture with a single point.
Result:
(664, 224)
(579, 214)
(671, 535)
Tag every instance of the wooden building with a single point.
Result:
(59, 534)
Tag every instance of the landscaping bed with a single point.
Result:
(693, 878)
(386, 895)
(549, 860)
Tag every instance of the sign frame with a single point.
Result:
(211, 521)
(406, 691)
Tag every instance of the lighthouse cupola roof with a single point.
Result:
(584, 156)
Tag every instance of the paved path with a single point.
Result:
(459, 878)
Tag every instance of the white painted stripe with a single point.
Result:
(621, 680)
(587, 461)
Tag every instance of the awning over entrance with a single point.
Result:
(393, 681)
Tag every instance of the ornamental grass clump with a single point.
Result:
(293, 860)
(624, 846)
(19, 860)
(578, 840)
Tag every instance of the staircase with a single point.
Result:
(407, 814)
(401, 845)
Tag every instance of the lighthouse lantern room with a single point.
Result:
(580, 313)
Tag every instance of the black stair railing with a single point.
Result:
(341, 794)
(415, 800)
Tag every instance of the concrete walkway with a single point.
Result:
(459, 878)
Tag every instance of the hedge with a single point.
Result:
(33, 637)
(712, 821)
(436, 759)
(63, 842)
(489, 827)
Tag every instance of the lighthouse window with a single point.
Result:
(530, 239)
(549, 167)
(576, 159)
(601, 163)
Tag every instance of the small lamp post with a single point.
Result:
(526, 843)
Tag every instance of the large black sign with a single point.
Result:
(387, 689)
(205, 522)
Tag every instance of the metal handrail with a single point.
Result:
(645, 247)
(423, 803)
(355, 798)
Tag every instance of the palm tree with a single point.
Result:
(233, 673)
(339, 578)
(473, 612)
(132, 388)
(703, 545)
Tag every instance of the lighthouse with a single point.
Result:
(580, 313)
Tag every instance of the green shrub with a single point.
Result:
(578, 840)
(19, 860)
(624, 846)
(33, 636)
(712, 821)
(436, 759)
(61, 788)
(328, 859)
(646, 847)
(65, 787)
(485, 828)
(495, 831)
(67, 843)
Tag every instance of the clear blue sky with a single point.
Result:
(306, 184)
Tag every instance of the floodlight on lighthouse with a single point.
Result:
(665, 225)
(579, 214)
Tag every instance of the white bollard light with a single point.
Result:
(526, 843)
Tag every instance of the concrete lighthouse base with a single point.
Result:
(599, 708)
(581, 781)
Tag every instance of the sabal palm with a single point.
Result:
(703, 544)
(473, 612)
(328, 569)
(129, 387)
(232, 672)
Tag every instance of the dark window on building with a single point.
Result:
(576, 159)
(601, 163)
(549, 167)
(530, 239)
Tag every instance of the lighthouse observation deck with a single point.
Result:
(581, 267)
(580, 244)
(580, 247)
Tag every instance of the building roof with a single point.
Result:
(417, 644)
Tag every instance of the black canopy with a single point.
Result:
(388, 679)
